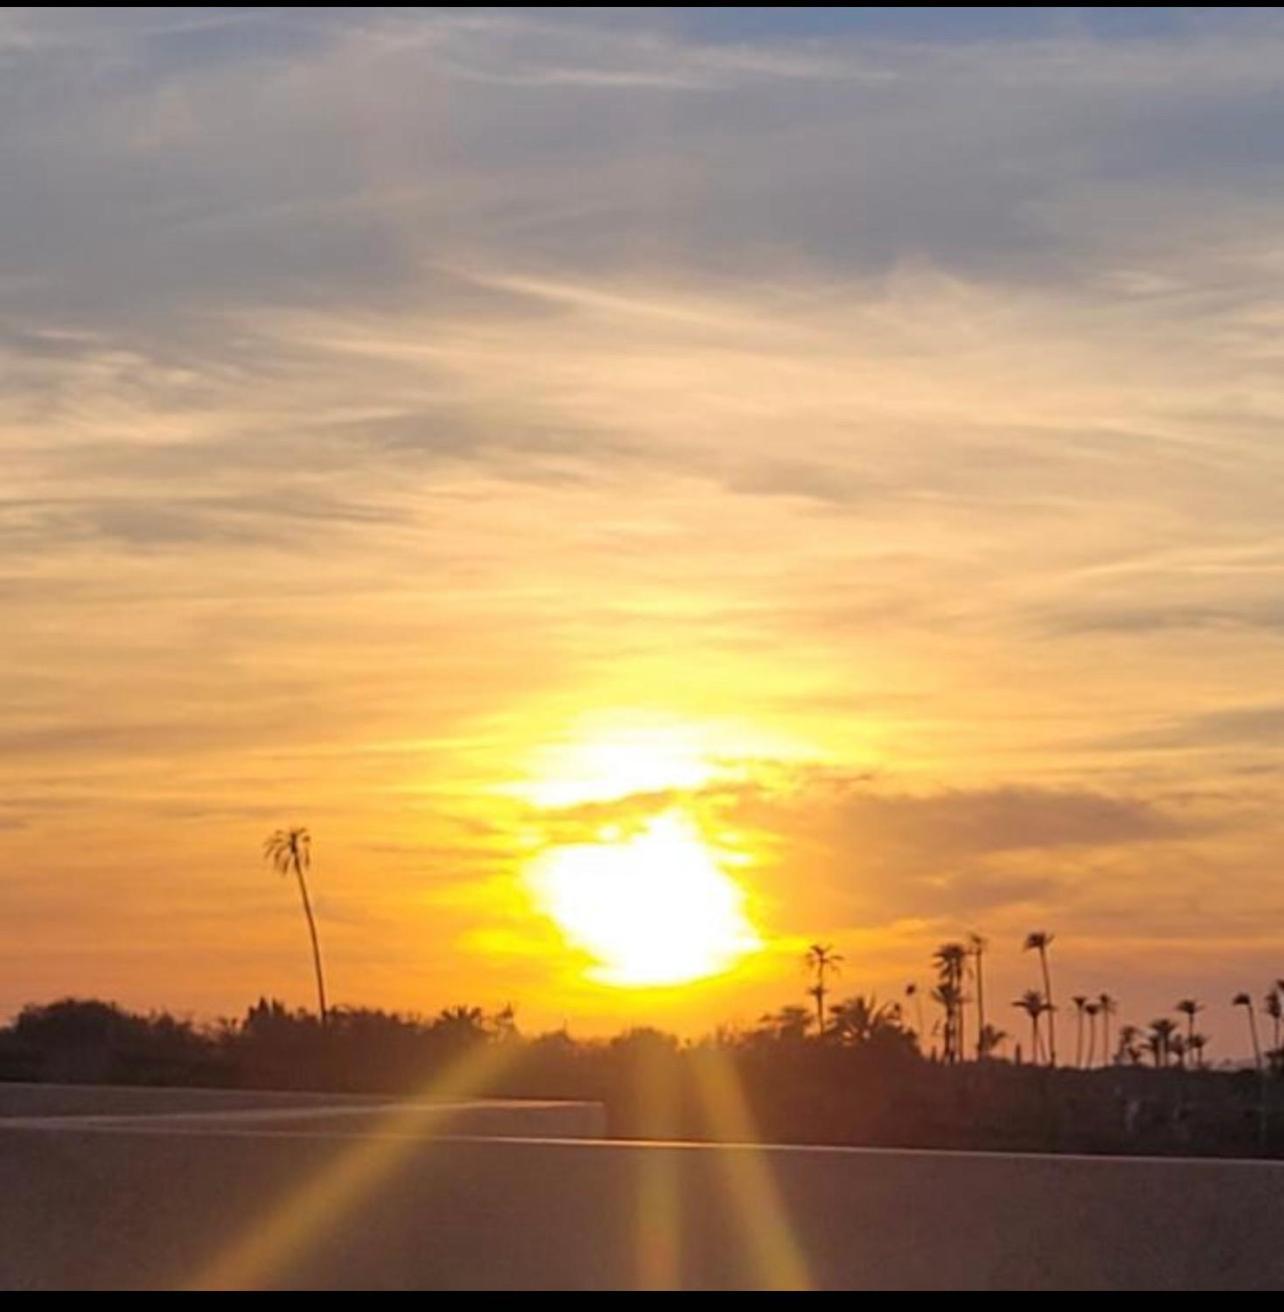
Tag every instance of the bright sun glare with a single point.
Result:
(617, 755)
(654, 908)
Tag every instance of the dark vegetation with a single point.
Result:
(862, 1080)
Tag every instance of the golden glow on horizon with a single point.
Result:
(655, 908)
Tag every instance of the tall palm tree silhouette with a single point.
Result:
(1190, 1009)
(1273, 1007)
(1161, 1039)
(950, 999)
(1080, 1002)
(1243, 1000)
(1091, 1009)
(822, 959)
(977, 945)
(1177, 1046)
(291, 850)
(951, 962)
(1108, 1008)
(1032, 1003)
(1039, 941)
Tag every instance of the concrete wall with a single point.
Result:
(102, 1206)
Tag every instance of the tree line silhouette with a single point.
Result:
(862, 1080)
(960, 964)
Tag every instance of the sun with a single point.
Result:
(655, 908)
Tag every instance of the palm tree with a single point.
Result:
(1080, 1002)
(951, 961)
(1092, 1008)
(461, 1026)
(1039, 941)
(1197, 1043)
(992, 1040)
(504, 1023)
(821, 958)
(861, 1019)
(1275, 1010)
(1161, 1038)
(1243, 1000)
(472, 1018)
(1108, 1008)
(1190, 1009)
(950, 998)
(977, 946)
(291, 850)
(911, 991)
(1129, 1045)
(1032, 1003)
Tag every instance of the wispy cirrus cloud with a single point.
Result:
(910, 389)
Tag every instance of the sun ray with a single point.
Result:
(750, 1185)
(302, 1219)
(659, 1219)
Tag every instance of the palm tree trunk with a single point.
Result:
(316, 946)
(980, 1009)
(1078, 1038)
(1252, 1028)
(1092, 1040)
(1047, 993)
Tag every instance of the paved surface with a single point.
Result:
(144, 1188)
(143, 1110)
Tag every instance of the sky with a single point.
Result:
(856, 434)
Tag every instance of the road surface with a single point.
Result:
(130, 1188)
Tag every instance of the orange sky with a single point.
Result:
(459, 433)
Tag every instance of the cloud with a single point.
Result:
(1259, 726)
(846, 841)
(909, 392)
(193, 153)
(964, 823)
(1267, 616)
